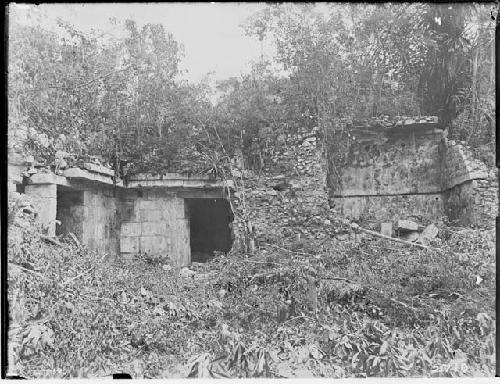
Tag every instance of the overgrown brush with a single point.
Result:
(352, 309)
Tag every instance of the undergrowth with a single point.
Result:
(343, 309)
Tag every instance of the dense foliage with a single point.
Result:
(357, 310)
(123, 97)
(120, 99)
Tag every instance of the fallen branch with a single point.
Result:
(51, 240)
(289, 250)
(262, 262)
(298, 317)
(74, 238)
(373, 233)
(338, 278)
(77, 276)
(403, 304)
(29, 270)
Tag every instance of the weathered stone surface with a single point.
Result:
(130, 229)
(99, 169)
(430, 232)
(151, 215)
(44, 200)
(78, 173)
(153, 245)
(153, 228)
(129, 244)
(386, 229)
(42, 191)
(407, 225)
(382, 208)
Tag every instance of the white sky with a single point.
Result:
(210, 32)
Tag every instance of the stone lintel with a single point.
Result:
(49, 178)
(77, 173)
(99, 169)
(169, 176)
(180, 183)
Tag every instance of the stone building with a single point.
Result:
(182, 218)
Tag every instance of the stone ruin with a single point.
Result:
(396, 171)
(408, 168)
(178, 217)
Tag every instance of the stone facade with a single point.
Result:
(101, 225)
(413, 171)
(44, 197)
(117, 219)
(154, 222)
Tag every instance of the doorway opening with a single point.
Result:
(70, 212)
(209, 226)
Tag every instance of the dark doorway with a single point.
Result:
(209, 221)
(70, 212)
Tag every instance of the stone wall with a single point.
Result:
(154, 221)
(390, 174)
(393, 174)
(15, 168)
(44, 198)
(423, 208)
(288, 199)
(101, 222)
(470, 189)
(393, 168)
(459, 165)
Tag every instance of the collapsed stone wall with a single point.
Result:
(288, 200)
(470, 188)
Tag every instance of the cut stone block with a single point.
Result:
(147, 204)
(153, 244)
(153, 228)
(151, 215)
(430, 232)
(129, 244)
(407, 225)
(42, 190)
(386, 229)
(131, 229)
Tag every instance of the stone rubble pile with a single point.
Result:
(411, 231)
(288, 200)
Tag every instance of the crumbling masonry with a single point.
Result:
(402, 170)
